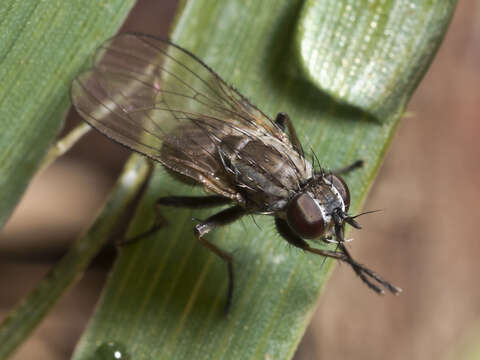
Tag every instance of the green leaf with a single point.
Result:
(165, 296)
(22, 320)
(43, 44)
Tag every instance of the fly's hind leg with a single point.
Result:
(192, 202)
(224, 217)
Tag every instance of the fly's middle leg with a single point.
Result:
(224, 217)
(192, 202)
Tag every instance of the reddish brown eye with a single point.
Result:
(304, 217)
(342, 188)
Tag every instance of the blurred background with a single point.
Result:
(425, 240)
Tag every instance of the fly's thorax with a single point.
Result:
(263, 169)
(309, 213)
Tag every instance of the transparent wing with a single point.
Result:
(160, 100)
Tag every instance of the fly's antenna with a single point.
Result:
(365, 213)
(351, 219)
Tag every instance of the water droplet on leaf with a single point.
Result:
(111, 351)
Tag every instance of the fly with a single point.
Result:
(160, 100)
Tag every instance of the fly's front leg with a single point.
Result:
(192, 202)
(368, 276)
(224, 217)
(287, 233)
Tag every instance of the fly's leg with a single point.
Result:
(364, 273)
(355, 165)
(192, 202)
(224, 217)
(283, 122)
(286, 232)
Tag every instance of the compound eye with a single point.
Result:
(305, 217)
(342, 188)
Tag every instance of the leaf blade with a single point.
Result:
(40, 44)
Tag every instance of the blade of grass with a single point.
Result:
(63, 145)
(165, 296)
(43, 44)
(22, 320)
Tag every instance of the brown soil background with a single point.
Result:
(425, 239)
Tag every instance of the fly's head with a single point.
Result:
(320, 209)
